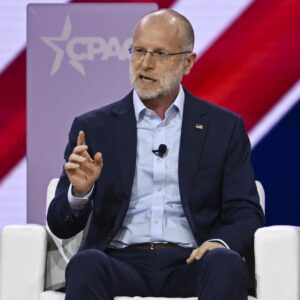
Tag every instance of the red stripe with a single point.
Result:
(12, 115)
(13, 149)
(254, 63)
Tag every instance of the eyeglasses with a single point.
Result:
(161, 55)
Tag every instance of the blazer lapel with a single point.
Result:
(125, 140)
(193, 132)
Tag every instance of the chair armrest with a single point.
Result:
(277, 263)
(22, 261)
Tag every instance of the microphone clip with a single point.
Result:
(161, 151)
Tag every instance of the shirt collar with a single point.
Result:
(140, 108)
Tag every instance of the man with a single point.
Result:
(167, 180)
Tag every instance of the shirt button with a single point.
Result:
(159, 129)
(156, 221)
(159, 188)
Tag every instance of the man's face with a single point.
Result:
(154, 77)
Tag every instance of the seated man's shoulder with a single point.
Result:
(217, 116)
(105, 111)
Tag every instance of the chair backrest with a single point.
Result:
(51, 191)
(60, 251)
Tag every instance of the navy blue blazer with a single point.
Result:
(216, 181)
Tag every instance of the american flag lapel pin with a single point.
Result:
(199, 126)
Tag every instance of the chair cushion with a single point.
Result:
(153, 298)
(160, 298)
(51, 295)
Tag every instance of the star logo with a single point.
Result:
(83, 49)
(59, 53)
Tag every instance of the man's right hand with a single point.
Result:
(82, 170)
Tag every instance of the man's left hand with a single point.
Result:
(200, 251)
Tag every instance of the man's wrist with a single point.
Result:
(82, 194)
(78, 203)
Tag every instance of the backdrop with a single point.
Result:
(248, 61)
(78, 63)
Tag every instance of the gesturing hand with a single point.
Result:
(81, 169)
(200, 251)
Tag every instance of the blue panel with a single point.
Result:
(276, 161)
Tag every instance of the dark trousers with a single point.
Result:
(96, 275)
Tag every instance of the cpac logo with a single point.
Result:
(84, 48)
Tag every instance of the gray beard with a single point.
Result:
(153, 94)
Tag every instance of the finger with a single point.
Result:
(92, 167)
(80, 149)
(198, 253)
(75, 158)
(74, 171)
(69, 166)
(201, 251)
(87, 156)
(98, 160)
(81, 138)
(192, 257)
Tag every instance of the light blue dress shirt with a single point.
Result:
(155, 212)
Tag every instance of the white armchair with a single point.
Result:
(33, 260)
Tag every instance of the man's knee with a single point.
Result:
(225, 261)
(87, 276)
(88, 260)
